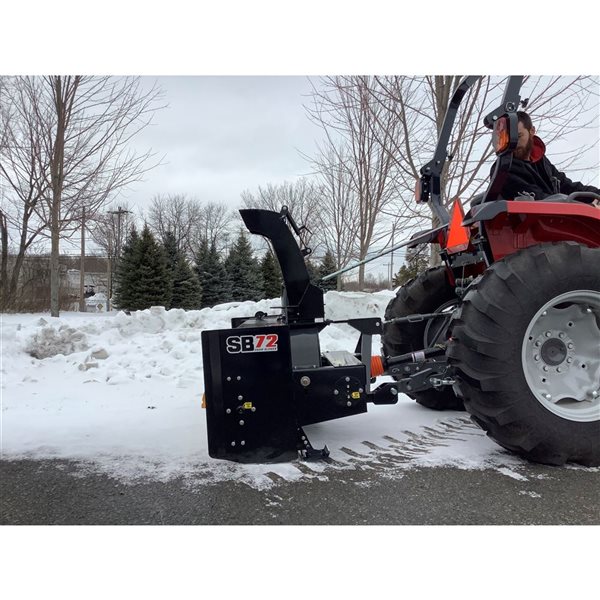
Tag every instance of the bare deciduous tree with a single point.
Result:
(84, 126)
(177, 214)
(190, 221)
(361, 130)
(303, 199)
(340, 217)
(23, 180)
(215, 226)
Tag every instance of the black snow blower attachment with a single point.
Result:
(266, 377)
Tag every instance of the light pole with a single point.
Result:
(120, 211)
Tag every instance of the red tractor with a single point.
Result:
(508, 327)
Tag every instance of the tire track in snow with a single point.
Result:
(389, 453)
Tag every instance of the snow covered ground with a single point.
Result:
(122, 395)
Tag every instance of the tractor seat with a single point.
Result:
(584, 197)
(556, 198)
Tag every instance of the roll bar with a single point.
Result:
(431, 173)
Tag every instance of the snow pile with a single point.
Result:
(122, 394)
(352, 305)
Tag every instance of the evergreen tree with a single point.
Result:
(126, 278)
(271, 276)
(186, 292)
(327, 266)
(144, 278)
(201, 257)
(313, 275)
(172, 256)
(155, 288)
(244, 271)
(213, 278)
(416, 262)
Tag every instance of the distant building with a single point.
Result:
(34, 281)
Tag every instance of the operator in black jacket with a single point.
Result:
(532, 173)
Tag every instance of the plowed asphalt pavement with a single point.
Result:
(59, 492)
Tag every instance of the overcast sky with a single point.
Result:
(223, 135)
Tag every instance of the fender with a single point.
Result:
(512, 225)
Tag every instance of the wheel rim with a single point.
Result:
(436, 332)
(561, 355)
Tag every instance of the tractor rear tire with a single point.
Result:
(426, 293)
(526, 348)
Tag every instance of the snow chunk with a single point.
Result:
(88, 365)
(510, 473)
(530, 494)
(50, 342)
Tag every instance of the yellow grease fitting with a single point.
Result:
(355, 395)
(247, 405)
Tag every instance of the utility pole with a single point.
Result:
(82, 267)
(108, 274)
(119, 212)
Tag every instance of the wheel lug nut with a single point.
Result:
(561, 335)
(536, 357)
(558, 370)
(548, 396)
(538, 343)
(594, 394)
(548, 334)
(545, 368)
(569, 360)
(570, 346)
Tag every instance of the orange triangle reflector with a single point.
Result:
(458, 236)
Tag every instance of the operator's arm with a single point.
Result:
(568, 187)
